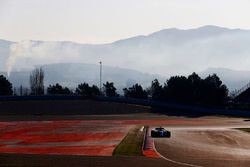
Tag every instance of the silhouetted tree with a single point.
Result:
(58, 90)
(178, 89)
(194, 90)
(156, 90)
(85, 90)
(5, 87)
(37, 81)
(95, 91)
(21, 90)
(195, 82)
(14, 92)
(109, 89)
(213, 92)
(136, 91)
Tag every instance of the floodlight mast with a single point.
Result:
(100, 75)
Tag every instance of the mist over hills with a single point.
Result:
(72, 74)
(166, 52)
(234, 79)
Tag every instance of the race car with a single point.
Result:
(160, 132)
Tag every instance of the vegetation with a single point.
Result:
(5, 87)
(191, 89)
(85, 90)
(109, 89)
(132, 144)
(37, 82)
(244, 129)
(57, 89)
(136, 91)
(156, 90)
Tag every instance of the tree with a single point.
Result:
(21, 90)
(95, 91)
(156, 90)
(136, 91)
(5, 87)
(58, 90)
(109, 89)
(195, 82)
(37, 81)
(213, 92)
(194, 90)
(178, 89)
(85, 90)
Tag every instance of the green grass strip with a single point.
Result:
(131, 145)
(244, 129)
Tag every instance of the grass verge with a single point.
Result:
(244, 129)
(131, 145)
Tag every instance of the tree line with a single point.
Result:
(181, 89)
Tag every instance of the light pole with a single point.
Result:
(100, 76)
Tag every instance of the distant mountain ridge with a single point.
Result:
(167, 52)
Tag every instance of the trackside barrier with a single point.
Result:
(23, 98)
(185, 109)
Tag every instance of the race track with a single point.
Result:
(215, 146)
(42, 141)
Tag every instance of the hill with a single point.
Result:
(167, 52)
(71, 74)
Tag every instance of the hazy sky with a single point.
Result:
(102, 21)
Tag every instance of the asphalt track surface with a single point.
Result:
(213, 145)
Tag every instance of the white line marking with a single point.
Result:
(142, 128)
(170, 160)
